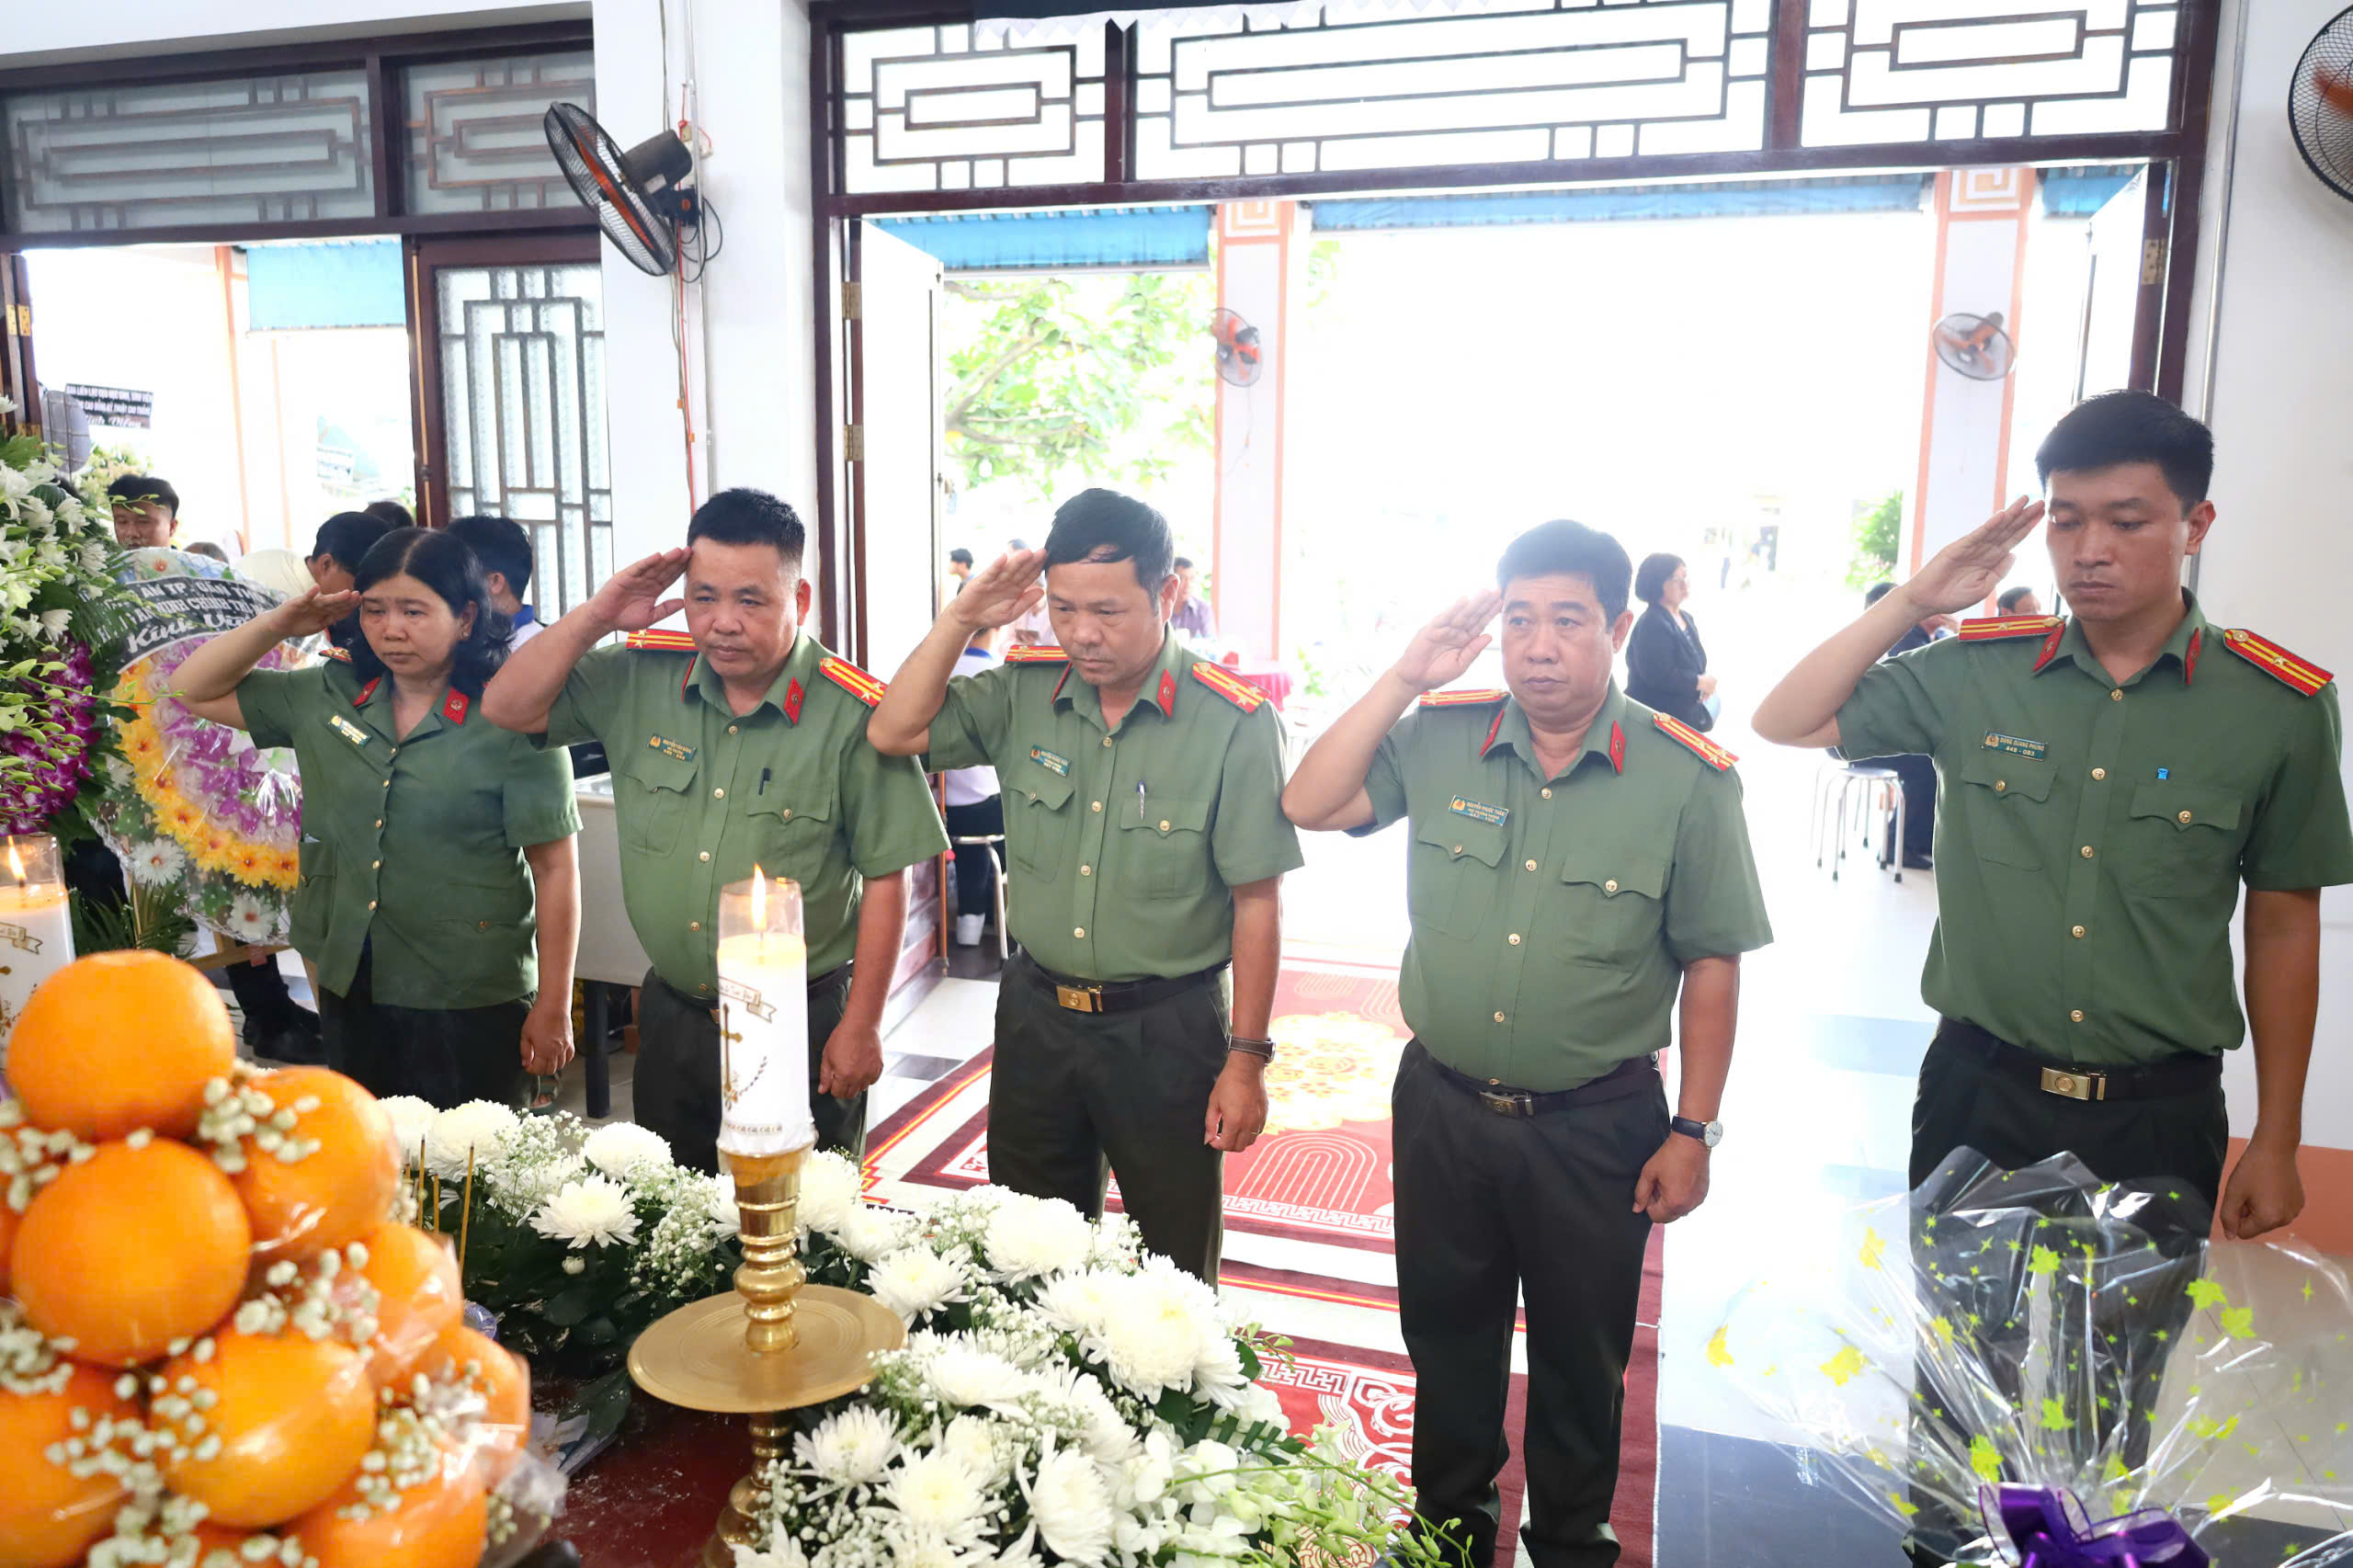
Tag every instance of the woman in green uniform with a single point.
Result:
(435, 846)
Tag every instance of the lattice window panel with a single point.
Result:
(475, 144)
(1942, 70)
(271, 149)
(934, 109)
(1493, 82)
(523, 402)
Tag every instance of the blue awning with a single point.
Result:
(1740, 199)
(293, 287)
(2079, 193)
(1110, 236)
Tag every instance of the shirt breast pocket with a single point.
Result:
(653, 804)
(794, 826)
(1037, 823)
(2004, 796)
(1453, 878)
(2182, 840)
(1615, 900)
(1164, 847)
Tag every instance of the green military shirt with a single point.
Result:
(1125, 841)
(412, 844)
(2092, 834)
(701, 794)
(1552, 916)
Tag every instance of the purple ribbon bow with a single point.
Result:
(2048, 1528)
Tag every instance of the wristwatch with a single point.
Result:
(1708, 1132)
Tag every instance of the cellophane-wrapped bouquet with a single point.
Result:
(2039, 1368)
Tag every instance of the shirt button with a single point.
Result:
(376, 865)
(719, 794)
(372, 904)
(379, 822)
(1515, 938)
(2116, 695)
(2184, 817)
(1610, 886)
(1098, 805)
(731, 729)
(2079, 930)
(1546, 793)
(1531, 865)
(702, 987)
(2000, 784)
(1086, 870)
(694, 925)
(1499, 1018)
(1079, 932)
(2087, 851)
(704, 856)
(482, 925)
(788, 814)
(1107, 740)
(1458, 849)
(2077, 1014)
(395, 752)
(1164, 822)
(2099, 773)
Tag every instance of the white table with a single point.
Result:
(609, 952)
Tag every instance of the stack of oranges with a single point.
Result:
(219, 1346)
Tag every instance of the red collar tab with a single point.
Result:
(2189, 658)
(2276, 661)
(366, 692)
(1166, 696)
(1231, 687)
(454, 706)
(1990, 628)
(852, 679)
(792, 694)
(1714, 755)
(2051, 646)
(1494, 726)
(1065, 681)
(1616, 747)
(687, 679)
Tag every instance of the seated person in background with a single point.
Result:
(209, 550)
(505, 552)
(343, 541)
(2019, 601)
(1192, 615)
(1918, 773)
(392, 513)
(1666, 665)
(976, 809)
(145, 511)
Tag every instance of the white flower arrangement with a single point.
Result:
(1062, 1398)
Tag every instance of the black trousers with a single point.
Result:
(1490, 1208)
(975, 871)
(675, 1090)
(447, 1055)
(1075, 1096)
(2181, 1140)
(1918, 777)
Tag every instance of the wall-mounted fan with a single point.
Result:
(643, 197)
(2320, 104)
(1977, 347)
(1240, 358)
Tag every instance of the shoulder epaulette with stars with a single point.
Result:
(660, 641)
(1675, 730)
(1231, 687)
(1991, 628)
(1463, 696)
(852, 679)
(1036, 655)
(2275, 662)
(329, 651)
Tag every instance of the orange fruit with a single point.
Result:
(437, 1523)
(292, 1416)
(417, 1275)
(48, 1515)
(117, 1041)
(129, 1250)
(337, 1192)
(505, 1381)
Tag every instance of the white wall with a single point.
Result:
(2280, 558)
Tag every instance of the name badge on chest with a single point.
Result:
(670, 748)
(1494, 816)
(2014, 746)
(1050, 761)
(347, 729)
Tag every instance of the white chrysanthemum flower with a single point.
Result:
(719, 1205)
(623, 1147)
(1078, 1302)
(595, 1211)
(1115, 1239)
(1217, 1370)
(914, 1281)
(1072, 1504)
(251, 921)
(937, 1495)
(1106, 1435)
(472, 1128)
(1152, 1339)
(53, 622)
(94, 557)
(1028, 1237)
(870, 1234)
(120, 772)
(14, 486)
(975, 1439)
(932, 1551)
(965, 1377)
(158, 862)
(1260, 1405)
(413, 1120)
(850, 1447)
(829, 1193)
(783, 1552)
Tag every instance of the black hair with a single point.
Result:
(501, 545)
(138, 487)
(1182, 564)
(960, 557)
(348, 537)
(750, 516)
(441, 562)
(390, 513)
(1651, 577)
(1103, 524)
(2131, 426)
(2009, 603)
(207, 547)
(1562, 546)
(1877, 592)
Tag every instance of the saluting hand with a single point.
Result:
(312, 611)
(631, 600)
(1674, 1182)
(1000, 593)
(1441, 651)
(1964, 572)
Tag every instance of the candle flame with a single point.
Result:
(760, 896)
(16, 862)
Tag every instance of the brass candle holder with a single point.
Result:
(774, 1344)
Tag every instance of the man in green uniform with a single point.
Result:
(1144, 827)
(1579, 863)
(742, 742)
(2110, 781)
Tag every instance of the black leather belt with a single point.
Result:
(824, 985)
(1628, 1077)
(1109, 996)
(2182, 1075)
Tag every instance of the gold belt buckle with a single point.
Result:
(1507, 1105)
(1080, 998)
(2074, 1085)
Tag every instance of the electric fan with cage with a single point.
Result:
(2320, 104)
(643, 197)
(1977, 347)
(1240, 357)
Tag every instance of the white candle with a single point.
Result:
(36, 928)
(763, 1019)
